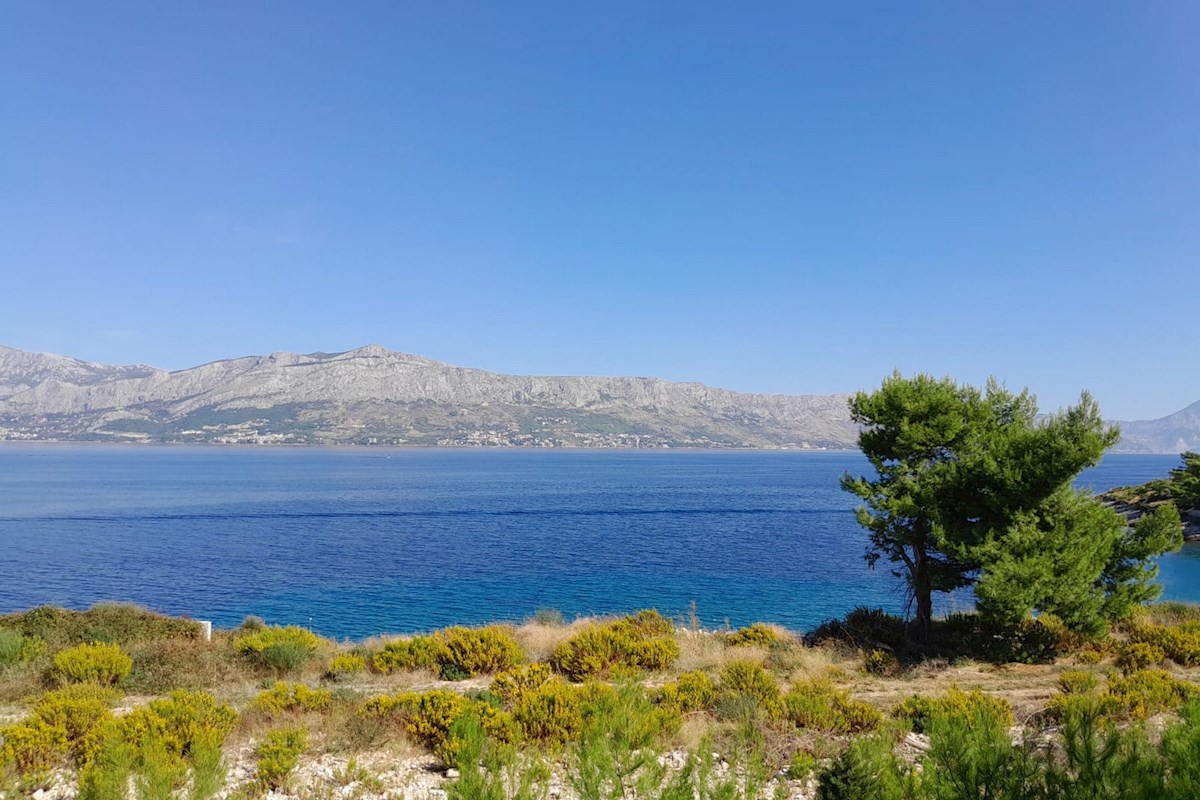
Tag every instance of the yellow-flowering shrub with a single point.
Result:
(428, 717)
(103, 664)
(33, 746)
(641, 641)
(179, 721)
(881, 662)
(1181, 644)
(277, 755)
(1135, 656)
(1077, 682)
(419, 652)
(280, 649)
(480, 651)
(283, 697)
(918, 710)
(756, 635)
(344, 665)
(818, 705)
(691, 691)
(510, 685)
(748, 679)
(83, 712)
(551, 713)
(1150, 691)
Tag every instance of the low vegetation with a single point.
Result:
(633, 707)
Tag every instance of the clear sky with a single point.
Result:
(777, 197)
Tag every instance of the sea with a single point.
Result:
(355, 542)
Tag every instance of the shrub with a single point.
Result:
(867, 770)
(277, 755)
(103, 664)
(641, 641)
(286, 697)
(748, 679)
(112, 623)
(1150, 691)
(478, 651)
(1139, 655)
(551, 713)
(818, 705)
(1181, 644)
(419, 652)
(279, 649)
(428, 717)
(344, 665)
(756, 635)
(180, 721)
(83, 712)
(33, 746)
(509, 686)
(550, 617)
(691, 691)
(1077, 682)
(862, 628)
(917, 710)
(17, 648)
(881, 662)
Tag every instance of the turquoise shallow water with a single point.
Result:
(362, 541)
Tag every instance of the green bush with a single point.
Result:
(881, 662)
(756, 635)
(641, 641)
(428, 717)
(480, 651)
(345, 665)
(180, 721)
(103, 664)
(818, 705)
(83, 711)
(862, 628)
(419, 652)
(1135, 656)
(1181, 644)
(746, 679)
(17, 648)
(867, 770)
(105, 622)
(279, 649)
(691, 691)
(1150, 691)
(551, 713)
(277, 755)
(1077, 682)
(510, 685)
(287, 697)
(917, 710)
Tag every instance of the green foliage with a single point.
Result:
(867, 770)
(429, 716)
(17, 648)
(690, 692)
(551, 713)
(971, 756)
(279, 649)
(106, 622)
(818, 705)
(881, 662)
(277, 755)
(1077, 682)
(103, 664)
(345, 665)
(1135, 656)
(862, 628)
(209, 769)
(418, 652)
(480, 651)
(756, 635)
(509, 686)
(288, 697)
(1185, 480)
(1180, 644)
(971, 488)
(616, 755)
(917, 710)
(179, 722)
(748, 680)
(157, 771)
(491, 770)
(642, 641)
(106, 776)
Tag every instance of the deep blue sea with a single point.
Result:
(354, 542)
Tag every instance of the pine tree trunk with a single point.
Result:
(922, 586)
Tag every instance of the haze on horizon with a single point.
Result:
(781, 199)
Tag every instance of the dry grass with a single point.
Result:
(538, 640)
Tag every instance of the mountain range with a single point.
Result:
(377, 396)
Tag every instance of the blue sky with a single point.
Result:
(778, 197)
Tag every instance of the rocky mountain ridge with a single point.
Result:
(372, 395)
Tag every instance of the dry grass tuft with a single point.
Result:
(539, 639)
